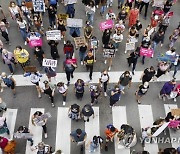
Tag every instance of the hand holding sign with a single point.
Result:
(49, 62)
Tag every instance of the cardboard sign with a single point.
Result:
(130, 46)
(109, 53)
(53, 35)
(79, 41)
(38, 5)
(71, 22)
(73, 60)
(35, 43)
(106, 25)
(175, 112)
(49, 62)
(30, 69)
(158, 3)
(39, 121)
(63, 16)
(146, 52)
(70, 2)
(23, 135)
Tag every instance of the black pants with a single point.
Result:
(5, 35)
(112, 102)
(146, 7)
(105, 86)
(44, 128)
(40, 61)
(68, 75)
(134, 65)
(79, 95)
(90, 67)
(159, 73)
(94, 99)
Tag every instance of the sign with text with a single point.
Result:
(70, 61)
(109, 53)
(79, 41)
(106, 25)
(146, 52)
(62, 16)
(49, 62)
(70, 2)
(53, 35)
(158, 3)
(38, 5)
(71, 22)
(35, 43)
(39, 121)
(23, 135)
(130, 46)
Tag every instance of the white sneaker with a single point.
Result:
(1, 90)
(175, 99)
(105, 62)
(45, 135)
(81, 62)
(64, 103)
(105, 94)
(64, 42)
(54, 26)
(25, 43)
(109, 68)
(125, 51)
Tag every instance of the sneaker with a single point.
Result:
(1, 90)
(64, 42)
(105, 62)
(72, 76)
(175, 99)
(68, 83)
(39, 96)
(25, 43)
(133, 73)
(45, 135)
(31, 144)
(105, 94)
(81, 62)
(54, 26)
(64, 103)
(109, 68)
(125, 51)
(87, 120)
(52, 104)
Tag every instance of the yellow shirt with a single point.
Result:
(21, 56)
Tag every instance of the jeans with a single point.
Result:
(90, 18)
(134, 66)
(103, 9)
(23, 33)
(116, 45)
(10, 68)
(82, 55)
(172, 43)
(146, 7)
(52, 21)
(105, 86)
(154, 45)
(93, 147)
(90, 67)
(143, 59)
(176, 68)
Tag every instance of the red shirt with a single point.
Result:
(3, 142)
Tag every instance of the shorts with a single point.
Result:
(12, 86)
(140, 94)
(36, 83)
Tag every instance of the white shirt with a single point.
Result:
(110, 16)
(104, 78)
(62, 89)
(22, 25)
(14, 10)
(146, 1)
(117, 38)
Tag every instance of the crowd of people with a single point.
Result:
(31, 27)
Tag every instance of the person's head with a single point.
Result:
(87, 23)
(60, 84)
(90, 54)
(45, 82)
(126, 73)
(161, 32)
(173, 81)
(152, 69)
(18, 48)
(61, 22)
(79, 80)
(95, 139)
(41, 145)
(4, 51)
(112, 129)
(68, 42)
(133, 28)
(105, 72)
(91, 3)
(23, 3)
(146, 84)
(87, 108)
(116, 87)
(3, 75)
(12, 4)
(173, 49)
(51, 7)
(38, 48)
(20, 129)
(20, 19)
(78, 132)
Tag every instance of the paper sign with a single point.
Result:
(130, 46)
(70, 2)
(79, 41)
(39, 121)
(109, 53)
(166, 58)
(175, 112)
(146, 52)
(53, 35)
(49, 62)
(63, 16)
(158, 3)
(38, 5)
(71, 22)
(69, 61)
(106, 25)
(23, 135)
(35, 43)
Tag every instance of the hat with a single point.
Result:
(110, 11)
(146, 84)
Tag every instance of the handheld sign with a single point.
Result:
(71, 22)
(130, 46)
(109, 53)
(38, 5)
(146, 52)
(35, 43)
(23, 135)
(70, 1)
(106, 25)
(53, 35)
(49, 62)
(39, 121)
(79, 41)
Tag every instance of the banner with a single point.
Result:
(38, 5)
(158, 3)
(166, 58)
(39, 121)
(53, 35)
(71, 22)
(106, 25)
(130, 46)
(79, 41)
(49, 62)
(109, 53)
(146, 52)
(70, 2)
(22, 135)
(35, 43)
(73, 60)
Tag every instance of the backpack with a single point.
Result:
(10, 147)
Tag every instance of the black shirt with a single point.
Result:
(148, 75)
(75, 108)
(146, 43)
(39, 54)
(167, 7)
(89, 60)
(122, 16)
(52, 13)
(83, 49)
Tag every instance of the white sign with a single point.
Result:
(158, 3)
(53, 35)
(130, 46)
(70, 2)
(38, 5)
(71, 22)
(49, 62)
(160, 129)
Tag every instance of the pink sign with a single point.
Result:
(34, 43)
(73, 60)
(146, 52)
(106, 25)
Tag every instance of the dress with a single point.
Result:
(133, 16)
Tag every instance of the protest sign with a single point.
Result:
(73, 60)
(71, 22)
(30, 69)
(130, 46)
(109, 53)
(53, 35)
(35, 43)
(38, 5)
(23, 135)
(158, 3)
(106, 25)
(175, 112)
(39, 121)
(49, 62)
(146, 52)
(70, 2)
(63, 16)
(166, 58)
(79, 41)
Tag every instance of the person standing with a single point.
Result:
(54, 50)
(74, 112)
(1, 46)
(95, 93)
(174, 37)
(68, 49)
(89, 62)
(8, 59)
(88, 30)
(166, 90)
(79, 136)
(115, 95)
(69, 66)
(90, 12)
(117, 38)
(133, 16)
(62, 88)
(70, 10)
(3, 106)
(148, 74)
(14, 10)
(124, 80)
(163, 67)
(79, 89)
(49, 89)
(9, 82)
(39, 55)
(82, 53)
(4, 32)
(176, 66)
(146, 3)
(103, 6)
(87, 111)
(35, 121)
(104, 80)
(142, 90)
(106, 37)
(52, 16)
(50, 72)
(3, 126)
